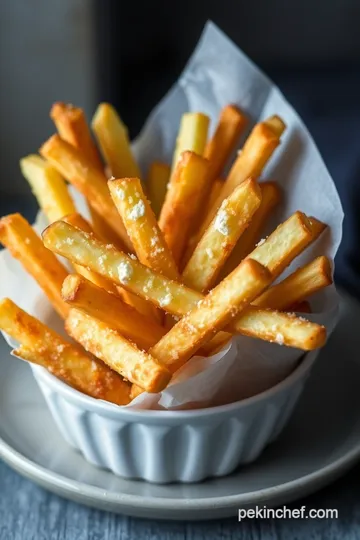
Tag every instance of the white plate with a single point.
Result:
(320, 443)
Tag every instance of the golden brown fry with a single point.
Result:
(221, 236)
(141, 225)
(211, 314)
(48, 186)
(112, 348)
(113, 139)
(41, 345)
(231, 125)
(299, 285)
(174, 297)
(192, 136)
(80, 223)
(157, 181)
(318, 227)
(270, 197)
(183, 202)
(23, 243)
(71, 124)
(258, 149)
(276, 124)
(80, 293)
(71, 163)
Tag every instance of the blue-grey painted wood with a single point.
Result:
(27, 512)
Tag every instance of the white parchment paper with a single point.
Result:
(218, 73)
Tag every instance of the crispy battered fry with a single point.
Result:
(174, 297)
(157, 181)
(113, 139)
(71, 163)
(141, 225)
(48, 186)
(80, 293)
(231, 125)
(41, 345)
(211, 314)
(192, 135)
(183, 202)
(299, 285)
(112, 348)
(221, 236)
(23, 243)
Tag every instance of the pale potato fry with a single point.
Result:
(257, 150)
(299, 285)
(71, 163)
(192, 136)
(270, 197)
(157, 181)
(80, 293)
(231, 125)
(141, 225)
(183, 201)
(48, 186)
(41, 345)
(113, 139)
(117, 352)
(221, 236)
(174, 297)
(72, 126)
(24, 245)
(216, 310)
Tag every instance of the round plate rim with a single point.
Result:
(51, 479)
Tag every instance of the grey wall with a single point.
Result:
(46, 54)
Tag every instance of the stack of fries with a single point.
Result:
(170, 266)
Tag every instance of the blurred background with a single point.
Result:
(84, 51)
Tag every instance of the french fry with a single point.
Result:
(71, 124)
(117, 352)
(192, 136)
(80, 293)
(299, 285)
(211, 314)
(141, 226)
(157, 181)
(231, 125)
(41, 345)
(221, 236)
(87, 179)
(172, 296)
(276, 124)
(131, 299)
(113, 139)
(257, 150)
(80, 223)
(318, 227)
(48, 186)
(24, 245)
(270, 197)
(183, 202)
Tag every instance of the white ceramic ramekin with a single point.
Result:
(172, 446)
